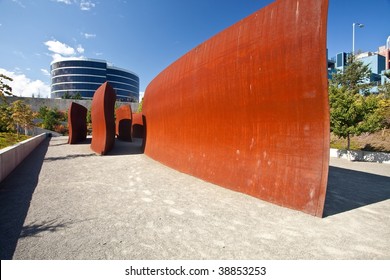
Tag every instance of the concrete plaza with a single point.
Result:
(65, 202)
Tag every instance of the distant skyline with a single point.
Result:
(145, 36)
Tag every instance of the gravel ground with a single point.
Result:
(65, 202)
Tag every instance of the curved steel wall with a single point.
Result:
(84, 76)
(248, 108)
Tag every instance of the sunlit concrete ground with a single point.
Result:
(64, 202)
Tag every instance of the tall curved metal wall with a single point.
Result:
(248, 108)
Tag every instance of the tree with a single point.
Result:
(355, 78)
(384, 91)
(5, 118)
(4, 88)
(353, 114)
(22, 116)
(66, 95)
(77, 96)
(140, 106)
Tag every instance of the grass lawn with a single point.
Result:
(9, 139)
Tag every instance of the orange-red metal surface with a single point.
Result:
(248, 108)
(123, 122)
(77, 123)
(103, 122)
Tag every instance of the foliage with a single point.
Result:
(9, 139)
(77, 96)
(21, 116)
(4, 88)
(89, 117)
(51, 117)
(352, 114)
(62, 129)
(353, 110)
(140, 106)
(355, 78)
(5, 118)
(385, 89)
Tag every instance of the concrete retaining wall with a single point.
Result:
(361, 156)
(11, 157)
(60, 104)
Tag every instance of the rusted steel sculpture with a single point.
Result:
(138, 126)
(77, 123)
(123, 122)
(248, 108)
(103, 122)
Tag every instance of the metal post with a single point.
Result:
(353, 35)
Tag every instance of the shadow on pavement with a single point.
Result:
(122, 148)
(348, 190)
(36, 228)
(15, 196)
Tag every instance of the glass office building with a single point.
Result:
(84, 76)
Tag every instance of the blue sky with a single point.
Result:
(145, 36)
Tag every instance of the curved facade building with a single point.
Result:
(84, 76)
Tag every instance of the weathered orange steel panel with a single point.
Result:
(77, 123)
(103, 122)
(248, 108)
(123, 122)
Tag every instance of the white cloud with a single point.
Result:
(60, 48)
(87, 35)
(80, 49)
(63, 51)
(86, 5)
(24, 86)
(45, 72)
(67, 2)
(19, 3)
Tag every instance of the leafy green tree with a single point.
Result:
(384, 91)
(50, 120)
(77, 96)
(22, 116)
(5, 89)
(5, 118)
(66, 95)
(353, 114)
(140, 106)
(51, 117)
(355, 78)
(353, 110)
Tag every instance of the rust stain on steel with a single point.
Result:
(248, 108)
(103, 122)
(123, 122)
(138, 126)
(77, 123)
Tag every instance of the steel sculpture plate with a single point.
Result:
(103, 122)
(248, 108)
(77, 123)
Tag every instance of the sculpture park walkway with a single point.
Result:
(65, 202)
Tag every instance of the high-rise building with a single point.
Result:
(84, 76)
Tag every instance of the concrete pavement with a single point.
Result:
(64, 202)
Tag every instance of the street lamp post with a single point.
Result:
(353, 35)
